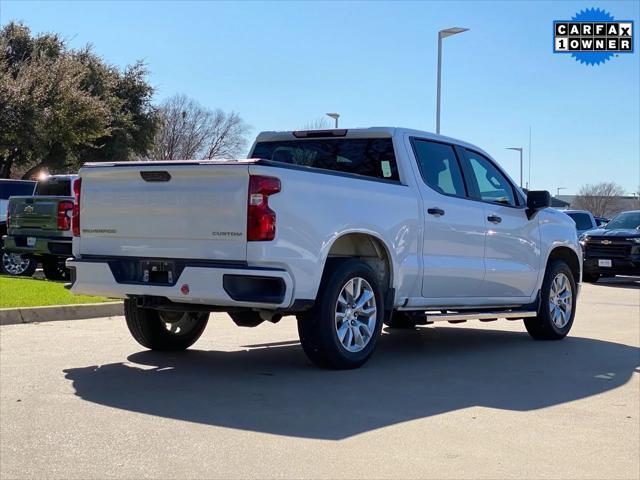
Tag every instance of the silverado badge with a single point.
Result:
(607, 242)
(28, 209)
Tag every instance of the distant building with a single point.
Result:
(557, 203)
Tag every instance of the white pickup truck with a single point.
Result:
(346, 229)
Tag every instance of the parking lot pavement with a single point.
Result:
(80, 399)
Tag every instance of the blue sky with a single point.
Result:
(283, 65)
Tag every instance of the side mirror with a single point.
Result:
(537, 200)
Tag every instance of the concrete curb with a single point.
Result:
(14, 316)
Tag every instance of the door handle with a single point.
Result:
(438, 212)
(494, 218)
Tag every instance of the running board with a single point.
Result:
(482, 316)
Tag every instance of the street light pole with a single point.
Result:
(519, 149)
(335, 116)
(558, 190)
(447, 32)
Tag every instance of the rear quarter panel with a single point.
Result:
(314, 209)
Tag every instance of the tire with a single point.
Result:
(164, 330)
(590, 277)
(17, 265)
(333, 317)
(556, 311)
(402, 321)
(54, 268)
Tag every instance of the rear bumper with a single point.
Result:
(60, 246)
(206, 285)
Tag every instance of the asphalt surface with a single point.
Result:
(80, 399)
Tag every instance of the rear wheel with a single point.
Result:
(54, 268)
(164, 330)
(342, 329)
(16, 264)
(557, 304)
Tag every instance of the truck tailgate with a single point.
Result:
(35, 213)
(178, 210)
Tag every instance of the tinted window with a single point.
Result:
(58, 187)
(372, 157)
(624, 221)
(439, 167)
(15, 188)
(583, 222)
(493, 186)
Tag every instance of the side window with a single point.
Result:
(493, 186)
(439, 167)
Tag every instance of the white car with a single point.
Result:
(583, 219)
(346, 229)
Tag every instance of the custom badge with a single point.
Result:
(593, 36)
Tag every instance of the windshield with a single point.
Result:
(624, 221)
(15, 188)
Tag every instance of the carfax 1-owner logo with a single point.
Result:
(593, 36)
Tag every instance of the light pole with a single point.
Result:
(447, 32)
(335, 116)
(519, 149)
(558, 190)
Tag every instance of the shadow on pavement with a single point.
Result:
(620, 282)
(412, 375)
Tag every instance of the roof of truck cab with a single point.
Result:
(371, 132)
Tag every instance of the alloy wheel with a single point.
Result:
(15, 263)
(355, 314)
(560, 300)
(179, 323)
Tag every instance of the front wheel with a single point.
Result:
(17, 265)
(557, 304)
(342, 329)
(164, 330)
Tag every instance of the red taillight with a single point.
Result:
(64, 221)
(75, 217)
(261, 220)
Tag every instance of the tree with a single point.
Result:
(600, 198)
(188, 130)
(319, 123)
(61, 107)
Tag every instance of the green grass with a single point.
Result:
(28, 292)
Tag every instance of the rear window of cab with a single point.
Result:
(369, 157)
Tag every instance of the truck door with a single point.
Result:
(454, 226)
(512, 248)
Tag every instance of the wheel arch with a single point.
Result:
(570, 257)
(367, 246)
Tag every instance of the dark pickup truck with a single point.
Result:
(40, 225)
(613, 249)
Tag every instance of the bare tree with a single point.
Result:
(600, 198)
(319, 123)
(190, 131)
